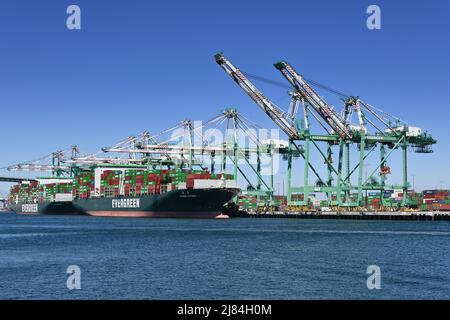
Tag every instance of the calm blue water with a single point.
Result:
(221, 259)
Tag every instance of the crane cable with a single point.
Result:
(281, 84)
(338, 93)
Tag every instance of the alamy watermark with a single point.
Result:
(374, 20)
(73, 21)
(74, 279)
(374, 279)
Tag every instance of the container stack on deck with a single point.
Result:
(51, 189)
(83, 185)
(35, 192)
(109, 185)
(26, 192)
(133, 183)
(139, 182)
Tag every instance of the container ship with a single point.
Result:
(52, 196)
(128, 192)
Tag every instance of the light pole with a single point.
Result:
(365, 174)
(282, 174)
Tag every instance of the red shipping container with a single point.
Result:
(442, 207)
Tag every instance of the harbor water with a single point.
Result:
(127, 258)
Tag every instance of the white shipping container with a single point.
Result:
(410, 131)
(207, 183)
(357, 128)
(414, 132)
(213, 183)
(63, 197)
(231, 184)
(56, 180)
(276, 143)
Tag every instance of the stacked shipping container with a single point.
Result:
(83, 185)
(436, 200)
(141, 182)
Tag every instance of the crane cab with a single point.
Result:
(410, 131)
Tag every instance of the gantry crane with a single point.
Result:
(390, 132)
(54, 163)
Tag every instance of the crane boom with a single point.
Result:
(37, 167)
(265, 104)
(313, 99)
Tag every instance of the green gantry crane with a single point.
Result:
(390, 134)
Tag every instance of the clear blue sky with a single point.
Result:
(144, 65)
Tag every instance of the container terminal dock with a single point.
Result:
(348, 215)
(180, 172)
